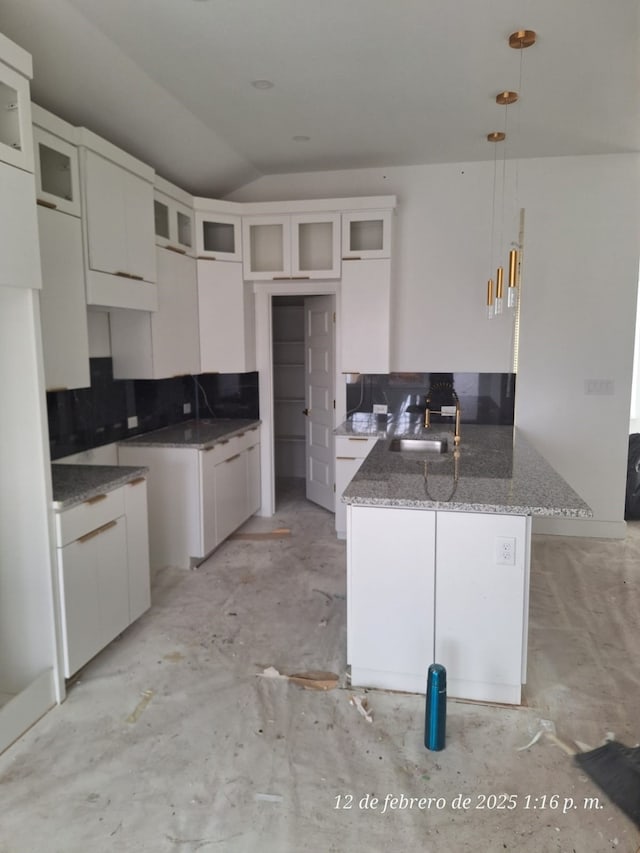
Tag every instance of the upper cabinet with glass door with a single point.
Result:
(16, 141)
(218, 230)
(173, 218)
(291, 246)
(56, 162)
(366, 234)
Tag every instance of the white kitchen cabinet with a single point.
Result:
(63, 308)
(197, 496)
(390, 595)
(365, 321)
(226, 317)
(103, 570)
(163, 343)
(57, 170)
(19, 253)
(16, 143)
(351, 451)
(231, 482)
(119, 226)
(407, 569)
(291, 246)
(481, 606)
(366, 234)
(173, 218)
(218, 235)
(137, 513)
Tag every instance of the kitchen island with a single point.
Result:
(438, 559)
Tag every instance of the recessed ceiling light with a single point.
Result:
(262, 84)
(301, 138)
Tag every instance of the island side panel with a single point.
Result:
(390, 590)
(482, 604)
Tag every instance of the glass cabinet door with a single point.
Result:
(16, 145)
(56, 170)
(366, 234)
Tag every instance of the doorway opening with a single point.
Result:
(302, 355)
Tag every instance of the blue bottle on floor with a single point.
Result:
(436, 711)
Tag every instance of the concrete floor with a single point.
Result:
(172, 741)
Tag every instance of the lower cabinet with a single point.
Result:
(426, 586)
(351, 451)
(197, 496)
(103, 570)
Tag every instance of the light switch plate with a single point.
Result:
(132, 422)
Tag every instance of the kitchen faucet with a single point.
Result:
(429, 411)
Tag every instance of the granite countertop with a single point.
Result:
(74, 484)
(497, 470)
(195, 434)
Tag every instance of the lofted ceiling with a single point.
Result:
(368, 82)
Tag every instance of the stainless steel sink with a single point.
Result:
(420, 445)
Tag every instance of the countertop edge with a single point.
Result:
(121, 476)
(141, 441)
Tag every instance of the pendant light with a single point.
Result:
(494, 307)
(518, 40)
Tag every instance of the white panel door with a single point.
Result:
(63, 304)
(319, 396)
(390, 595)
(19, 256)
(480, 604)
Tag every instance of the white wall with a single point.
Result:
(580, 276)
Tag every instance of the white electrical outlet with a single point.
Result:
(505, 551)
(186, 409)
(380, 408)
(132, 422)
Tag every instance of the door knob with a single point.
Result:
(305, 411)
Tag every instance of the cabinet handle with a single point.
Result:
(56, 390)
(96, 499)
(306, 411)
(176, 249)
(300, 277)
(253, 429)
(97, 531)
(224, 441)
(137, 481)
(357, 439)
(281, 278)
(347, 458)
(231, 458)
(206, 258)
(48, 204)
(129, 275)
(239, 435)
(207, 449)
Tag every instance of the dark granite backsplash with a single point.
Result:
(485, 398)
(90, 417)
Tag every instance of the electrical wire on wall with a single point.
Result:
(206, 399)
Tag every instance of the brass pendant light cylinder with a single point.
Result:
(499, 282)
(513, 267)
(490, 292)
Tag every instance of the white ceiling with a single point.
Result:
(371, 82)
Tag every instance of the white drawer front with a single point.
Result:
(353, 447)
(73, 523)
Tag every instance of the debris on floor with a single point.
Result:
(313, 679)
(276, 533)
(147, 696)
(362, 706)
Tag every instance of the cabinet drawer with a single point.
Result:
(353, 447)
(73, 523)
(236, 444)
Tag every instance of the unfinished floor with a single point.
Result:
(171, 740)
